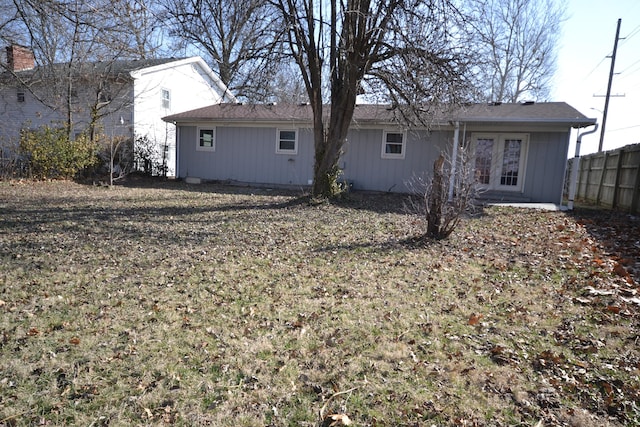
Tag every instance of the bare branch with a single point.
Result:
(516, 43)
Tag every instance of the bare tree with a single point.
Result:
(516, 43)
(76, 46)
(287, 86)
(139, 31)
(235, 36)
(404, 50)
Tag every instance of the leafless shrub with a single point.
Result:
(11, 164)
(446, 195)
(116, 156)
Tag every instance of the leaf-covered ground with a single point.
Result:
(163, 303)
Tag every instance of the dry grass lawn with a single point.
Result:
(163, 303)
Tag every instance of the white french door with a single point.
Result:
(500, 160)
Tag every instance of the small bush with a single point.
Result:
(50, 153)
(148, 157)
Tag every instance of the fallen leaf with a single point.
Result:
(474, 319)
(593, 291)
(336, 420)
(620, 270)
(74, 341)
(148, 412)
(613, 309)
(634, 300)
(33, 332)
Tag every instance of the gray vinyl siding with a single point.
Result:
(364, 167)
(247, 155)
(546, 162)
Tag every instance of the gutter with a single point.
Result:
(573, 122)
(576, 166)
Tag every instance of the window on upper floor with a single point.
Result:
(206, 139)
(393, 145)
(20, 95)
(166, 98)
(287, 141)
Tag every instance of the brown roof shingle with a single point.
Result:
(548, 112)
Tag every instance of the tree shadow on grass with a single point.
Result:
(378, 202)
(617, 232)
(416, 242)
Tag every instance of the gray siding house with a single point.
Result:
(519, 150)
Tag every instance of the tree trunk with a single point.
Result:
(326, 168)
(436, 199)
(329, 147)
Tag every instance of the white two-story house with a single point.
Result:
(117, 98)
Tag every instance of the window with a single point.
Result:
(393, 145)
(206, 140)
(20, 95)
(484, 156)
(511, 162)
(166, 98)
(500, 160)
(287, 141)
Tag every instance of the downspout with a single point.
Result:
(177, 171)
(454, 160)
(576, 167)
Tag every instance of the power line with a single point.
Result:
(626, 69)
(632, 34)
(624, 128)
(596, 67)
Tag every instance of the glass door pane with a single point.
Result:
(484, 156)
(511, 162)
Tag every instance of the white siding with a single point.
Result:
(137, 105)
(189, 88)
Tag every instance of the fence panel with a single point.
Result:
(611, 179)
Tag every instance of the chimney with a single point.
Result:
(19, 58)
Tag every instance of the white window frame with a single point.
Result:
(199, 146)
(384, 154)
(279, 149)
(166, 100)
(497, 159)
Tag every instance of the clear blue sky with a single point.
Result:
(583, 68)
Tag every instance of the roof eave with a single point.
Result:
(575, 123)
(136, 73)
(234, 120)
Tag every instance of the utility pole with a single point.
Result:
(606, 102)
